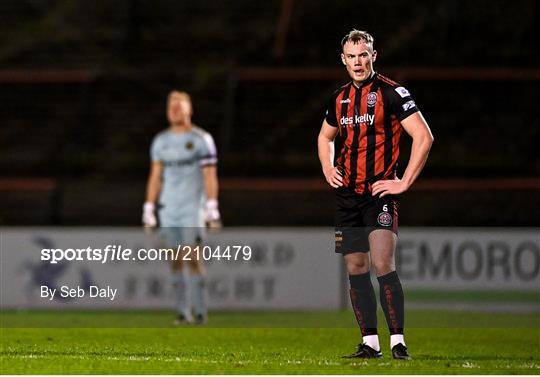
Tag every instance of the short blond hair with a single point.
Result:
(184, 96)
(356, 36)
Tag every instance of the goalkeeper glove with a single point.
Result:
(149, 218)
(212, 217)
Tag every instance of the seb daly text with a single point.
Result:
(77, 292)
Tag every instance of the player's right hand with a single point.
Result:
(149, 218)
(333, 177)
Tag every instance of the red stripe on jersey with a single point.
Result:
(350, 137)
(396, 129)
(387, 80)
(396, 134)
(379, 136)
(362, 145)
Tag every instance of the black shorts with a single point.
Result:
(356, 216)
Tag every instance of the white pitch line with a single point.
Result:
(177, 359)
(468, 364)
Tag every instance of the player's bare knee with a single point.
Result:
(383, 267)
(357, 265)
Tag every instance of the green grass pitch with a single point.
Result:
(139, 342)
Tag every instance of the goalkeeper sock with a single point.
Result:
(180, 286)
(392, 302)
(364, 304)
(198, 292)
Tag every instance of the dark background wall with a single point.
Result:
(83, 88)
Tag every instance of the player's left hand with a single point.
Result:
(212, 217)
(391, 186)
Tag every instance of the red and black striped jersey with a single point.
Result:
(369, 129)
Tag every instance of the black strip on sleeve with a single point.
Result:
(408, 113)
(401, 104)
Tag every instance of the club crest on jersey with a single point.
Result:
(371, 99)
(384, 219)
(189, 145)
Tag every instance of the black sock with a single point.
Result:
(364, 303)
(392, 302)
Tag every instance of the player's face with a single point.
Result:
(179, 110)
(358, 59)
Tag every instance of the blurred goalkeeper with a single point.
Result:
(183, 188)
